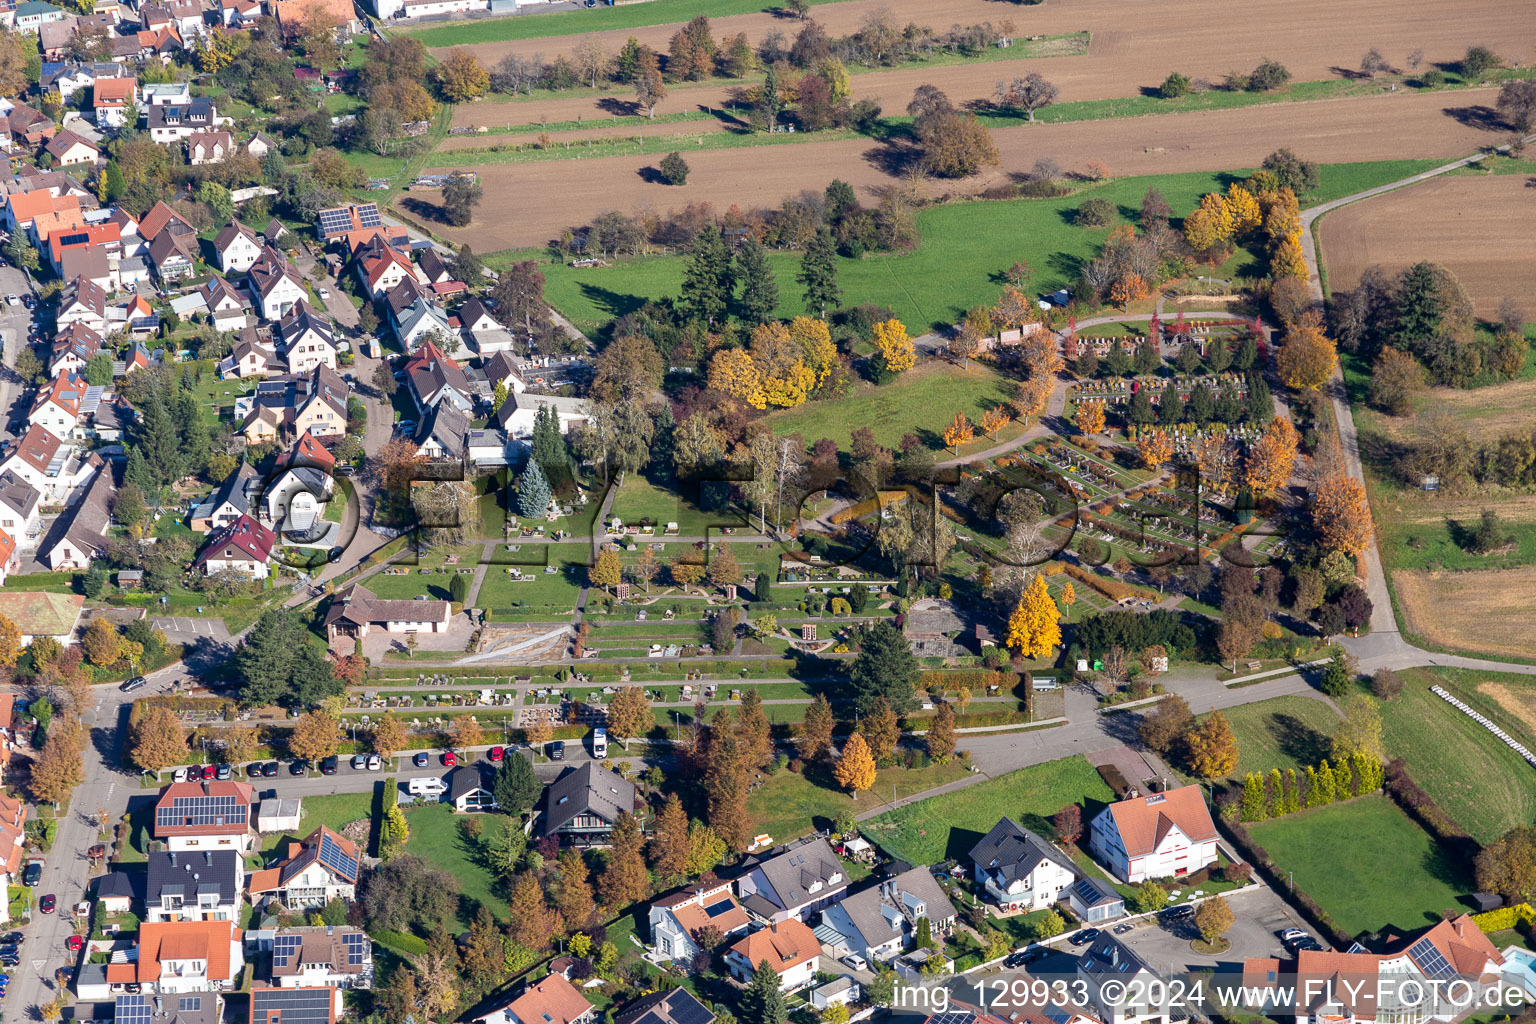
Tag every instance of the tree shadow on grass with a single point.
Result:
(1297, 740)
(615, 304)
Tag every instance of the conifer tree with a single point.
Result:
(818, 273)
(855, 769)
(708, 278)
(759, 288)
(533, 492)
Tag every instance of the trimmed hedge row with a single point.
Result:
(1506, 918)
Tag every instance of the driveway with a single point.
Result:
(1260, 913)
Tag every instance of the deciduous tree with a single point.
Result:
(1214, 918)
(816, 730)
(959, 432)
(1307, 357)
(893, 347)
(315, 736)
(881, 730)
(1271, 458)
(625, 878)
(102, 643)
(669, 840)
(855, 768)
(1508, 866)
(1341, 514)
(1212, 747)
(1089, 417)
(1154, 449)
(533, 922)
(941, 732)
(158, 740)
(461, 78)
(1034, 629)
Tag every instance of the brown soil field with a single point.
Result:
(1134, 46)
(1516, 703)
(557, 194)
(1485, 610)
(1480, 227)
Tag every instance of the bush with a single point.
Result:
(674, 169)
(1478, 61)
(1174, 86)
(1096, 213)
(1386, 684)
(1434, 78)
(1268, 76)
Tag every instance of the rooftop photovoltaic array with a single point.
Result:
(1431, 961)
(284, 948)
(719, 907)
(368, 215)
(189, 1004)
(333, 857)
(357, 947)
(687, 1010)
(291, 1005)
(335, 221)
(132, 1010)
(220, 809)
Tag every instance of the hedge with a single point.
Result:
(867, 506)
(1430, 816)
(1505, 918)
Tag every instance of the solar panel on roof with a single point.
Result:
(132, 1010)
(284, 947)
(333, 857)
(217, 809)
(189, 1003)
(356, 946)
(337, 220)
(719, 907)
(684, 1009)
(368, 215)
(1430, 960)
(292, 1005)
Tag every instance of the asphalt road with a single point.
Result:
(14, 321)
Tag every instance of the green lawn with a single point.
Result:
(1479, 781)
(791, 804)
(1282, 732)
(331, 811)
(436, 838)
(1366, 864)
(964, 247)
(947, 826)
(601, 19)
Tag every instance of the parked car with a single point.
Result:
(329, 765)
(180, 775)
(1289, 935)
(210, 771)
(496, 753)
(857, 962)
(224, 772)
(421, 760)
(1085, 936)
(135, 683)
(34, 873)
(557, 750)
(1121, 929)
(73, 943)
(48, 902)
(13, 938)
(1310, 944)
(375, 762)
(359, 762)
(449, 760)
(253, 770)
(269, 770)
(298, 767)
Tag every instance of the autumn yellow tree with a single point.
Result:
(1307, 356)
(1034, 629)
(1068, 598)
(732, 372)
(1030, 396)
(1154, 449)
(1090, 417)
(855, 768)
(1212, 747)
(10, 643)
(893, 346)
(1288, 260)
(993, 420)
(816, 348)
(102, 643)
(1130, 288)
(959, 432)
(461, 77)
(1340, 513)
(315, 736)
(606, 570)
(1271, 458)
(1209, 224)
(784, 379)
(1243, 209)
(1014, 309)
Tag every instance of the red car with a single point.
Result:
(210, 771)
(73, 943)
(496, 753)
(48, 902)
(448, 759)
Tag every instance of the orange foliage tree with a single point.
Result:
(959, 432)
(1130, 288)
(1340, 513)
(1090, 417)
(993, 420)
(1271, 458)
(1307, 356)
(1154, 449)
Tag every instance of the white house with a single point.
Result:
(193, 886)
(189, 956)
(519, 412)
(45, 461)
(206, 815)
(306, 339)
(223, 303)
(236, 247)
(322, 868)
(276, 286)
(355, 610)
(20, 505)
(880, 922)
(58, 406)
(789, 948)
(1117, 982)
(338, 956)
(469, 789)
(1160, 835)
(243, 547)
(277, 495)
(1020, 871)
(793, 882)
(79, 536)
(677, 918)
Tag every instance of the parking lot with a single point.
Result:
(1260, 914)
(182, 629)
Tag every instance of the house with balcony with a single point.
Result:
(1020, 871)
(677, 918)
(581, 807)
(189, 956)
(792, 882)
(552, 1000)
(789, 948)
(194, 886)
(295, 1005)
(320, 868)
(326, 956)
(243, 547)
(206, 815)
(881, 921)
(1160, 835)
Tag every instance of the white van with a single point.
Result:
(599, 742)
(430, 786)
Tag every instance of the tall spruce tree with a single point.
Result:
(818, 273)
(763, 1000)
(885, 668)
(1261, 408)
(548, 446)
(533, 492)
(1171, 408)
(759, 289)
(709, 277)
(157, 438)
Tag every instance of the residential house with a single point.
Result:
(328, 956)
(669, 1006)
(45, 461)
(198, 1008)
(307, 451)
(194, 886)
(677, 919)
(175, 122)
(209, 147)
(36, 614)
(32, 15)
(79, 536)
(320, 868)
(173, 256)
(94, 265)
(259, 145)
(23, 208)
(443, 433)
(583, 804)
(306, 339)
(162, 218)
(277, 495)
(418, 321)
(505, 369)
(337, 221)
(486, 449)
(276, 285)
(225, 306)
(160, 94)
(236, 247)
(69, 150)
(207, 815)
(230, 501)
(1154, 836)
(793, 881)
(20, 504)
(117, 893)
(295, 1005)
(553, 1000)
(239, 14)
(243, 547)
(69, 79)
(83, 302)
(293, 404)
(431, 269)
(354, 610)
(789, 948)
(1120, 986)
(384, 268)
(57, 408)
(189, 956)
(520, 411)
(434, 378)
(13, 841)
(879, 922)
(112, 99)
(469, 788)
(105, 238)
(1020, 871)
(188, 17)
(250, 357)
(10, 561)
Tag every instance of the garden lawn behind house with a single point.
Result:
(790, 804)
(1367, 864)
(437, 839)
(1282, 732)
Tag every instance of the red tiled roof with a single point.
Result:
(236, 825)
(38, 447)
(113, 92)
(1143, 822)
(67, 391)
(243, 536)
(785, 945)
(82, 238)
(186, 940)
(551, 1001)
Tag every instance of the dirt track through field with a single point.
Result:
(1134, 45)
(1481, 228)
(549, 196)
(1484, 610)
